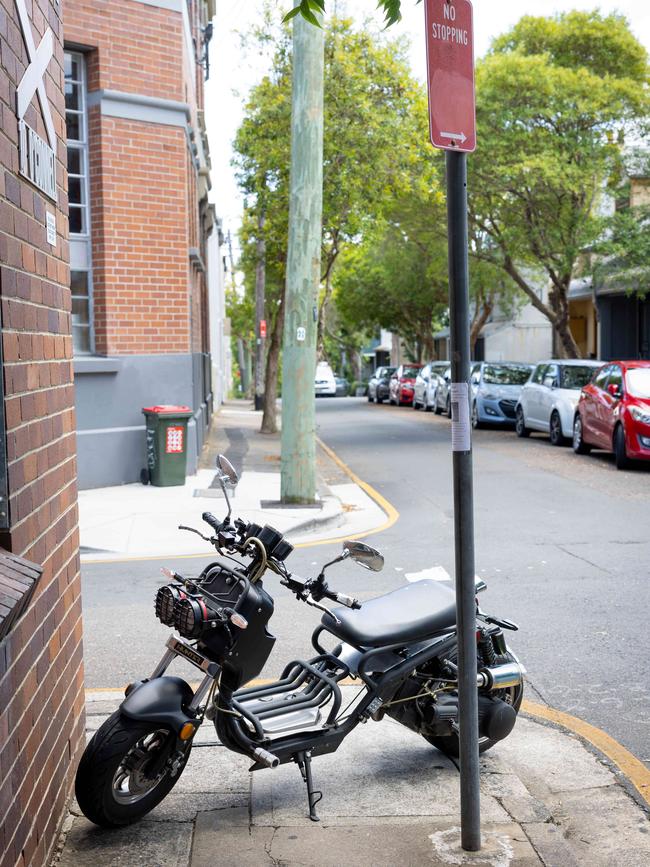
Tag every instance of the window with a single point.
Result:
(79, 211)
(538, 376)
(601, 377)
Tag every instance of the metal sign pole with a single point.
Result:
(470, 807)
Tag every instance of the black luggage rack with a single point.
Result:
(302, 685)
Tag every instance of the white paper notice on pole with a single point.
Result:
(461, 439)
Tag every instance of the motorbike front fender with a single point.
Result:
(160, 701)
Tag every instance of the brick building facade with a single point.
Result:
(41, 675)
(139, 221)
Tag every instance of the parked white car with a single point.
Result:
(548, 400)
(426, 383)
(324, 380)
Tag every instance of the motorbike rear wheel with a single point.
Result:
(450, 745)
(116, 784)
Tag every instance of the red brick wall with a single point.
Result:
(140, 237)
(41, 674)
(144, 209)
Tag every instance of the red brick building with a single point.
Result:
(41, 674)
(139, 221)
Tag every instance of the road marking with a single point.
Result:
(389, 510)
(434, 573)
(631, 768)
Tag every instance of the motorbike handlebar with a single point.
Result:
(209, 518)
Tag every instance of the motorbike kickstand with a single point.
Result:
(303, 760)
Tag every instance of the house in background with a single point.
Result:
(142, 234)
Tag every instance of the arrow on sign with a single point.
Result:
(460, 136)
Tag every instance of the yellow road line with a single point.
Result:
(389, 510)
(631, 768)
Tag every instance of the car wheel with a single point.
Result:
(448, 407)
(520, 424)
(476, 422)
(555, 430)
(380, 399)
(620, 451)
(580, 447)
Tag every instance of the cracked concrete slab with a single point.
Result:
(147, 844)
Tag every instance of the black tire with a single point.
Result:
(450, 744)
(448, 407)
(477, 424)
(520, 424)
(99, 789)
(620, 451)
(580, 447)
(380, 399)
(555, 430)
(370, 399)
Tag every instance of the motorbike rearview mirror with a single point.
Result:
(226, 470)
(364, 555)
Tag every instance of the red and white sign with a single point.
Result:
(450, 74)
(262, 327)
(174, 440)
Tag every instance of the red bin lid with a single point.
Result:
(165, 408)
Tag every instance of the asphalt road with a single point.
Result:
(562, 541)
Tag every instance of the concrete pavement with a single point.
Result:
(142, 521)
(389, 798)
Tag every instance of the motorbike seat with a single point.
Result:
(410, 613)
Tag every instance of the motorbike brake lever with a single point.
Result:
(192, 530)
(309, 599)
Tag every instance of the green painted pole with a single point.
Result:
(298, 484)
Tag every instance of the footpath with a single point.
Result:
(142, 521)
(389, 798)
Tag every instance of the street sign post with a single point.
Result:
(450, 80)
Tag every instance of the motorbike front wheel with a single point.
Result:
(126, 770)
(450, 745)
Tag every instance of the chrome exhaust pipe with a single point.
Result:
(501, 676)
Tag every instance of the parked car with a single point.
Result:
(442, 389)
(425, 384)
(548, 400)
(613, 413)
(496, 387)
(324, 381)
(342, 386)
(378, 384)
(402, 383)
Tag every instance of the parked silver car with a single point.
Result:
(441, 394)
(426, 383)
(548, 400)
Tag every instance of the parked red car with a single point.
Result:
(402, 383)
(613, 412)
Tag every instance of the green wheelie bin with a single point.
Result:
(166, 444)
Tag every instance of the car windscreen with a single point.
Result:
(506, 374)
(575, 376)
(638, 382)
(411, 372)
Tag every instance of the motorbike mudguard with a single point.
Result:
(160, 700)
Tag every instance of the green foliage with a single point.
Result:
(552, 107)
(309, 8)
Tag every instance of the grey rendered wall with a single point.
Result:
(110, 393)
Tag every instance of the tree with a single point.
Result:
(554, 98)
(310, 8)
(374, 113)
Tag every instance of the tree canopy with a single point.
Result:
(555, 99)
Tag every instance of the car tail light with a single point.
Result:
(166, 599)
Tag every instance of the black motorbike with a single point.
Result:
(401, 648)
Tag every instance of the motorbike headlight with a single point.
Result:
(190, 615)
(639, 414)
(166, 599)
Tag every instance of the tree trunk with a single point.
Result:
(481, 315)
(322, 309)
(355, 364)
(269, 417)
(260, 280)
